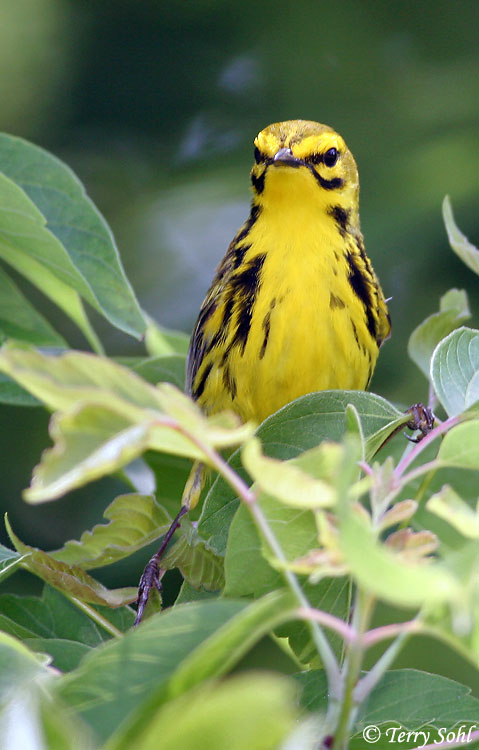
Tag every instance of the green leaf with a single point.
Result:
(53, 625)
(28, 246)
(90, 442)
(109, 416)
(160, 341)
(388, 575)
(167, 369)
(314, 690)
(70, 579)
(418, 699)
(19, 320)
(170, 474)
(249, 573)
(80, 249)
(168, 654)
(453, 312)
(449, 506)
(458, 241)
(13, 395)
(9, 562)
(284, 480)
(455, 370)
(246, 711)
(458, 623)
(460, 446)
(28, 711)
(134, 521)
(198, 563)
(294, 429)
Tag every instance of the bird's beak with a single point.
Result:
(285, 157)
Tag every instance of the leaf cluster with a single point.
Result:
(311, 519)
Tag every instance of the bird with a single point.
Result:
(295, 305)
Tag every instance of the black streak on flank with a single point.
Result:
(335, 301)
(201, 385)
(355, 331)
(239, 253)
(360, 288)
(254, 213)
(258, 181)
(244, 287)
(341, 217)
(229, 382)
(222, 332)
(266, 329)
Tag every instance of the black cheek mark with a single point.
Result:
(360, 287)
(336, 302)
(341, 217)
(333, 184)
(258, 181)
(201, 385)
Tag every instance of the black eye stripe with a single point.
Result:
(329, 158)
(258, 156)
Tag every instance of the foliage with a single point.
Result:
(315, 517)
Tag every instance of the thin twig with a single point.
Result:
(347, 632)
(367, 683)
(384, 632)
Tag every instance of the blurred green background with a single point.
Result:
(155, 105)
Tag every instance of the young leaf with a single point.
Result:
(70, 579)
(134, 521)
(285, 481)
(454, 370)
(460, 446)
(453, 312)
(449, 506)
(294, 429)
(198, 563)
(388, 575)
(81, 251)
(458, 241)
(108, 416)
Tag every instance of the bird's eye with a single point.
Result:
(331, 157)
(257, 155)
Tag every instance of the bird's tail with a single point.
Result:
(194, 486)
